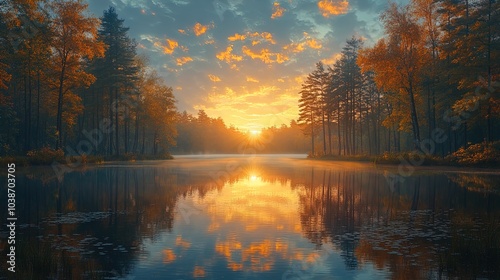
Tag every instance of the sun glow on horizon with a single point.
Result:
(255, 132)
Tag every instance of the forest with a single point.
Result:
(67, 76)
(430, 84)
(74, 84)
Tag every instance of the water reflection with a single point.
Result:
(254, 218)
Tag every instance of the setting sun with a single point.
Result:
(255, 132)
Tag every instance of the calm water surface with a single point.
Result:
(261, 217)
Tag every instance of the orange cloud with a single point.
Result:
(170, 46)
(299, 79)
(228, 56)
(213, 78)
(332, 59)
(253, 80)
(242, 37)
(236, 37)
(199, 29)
(329, 7)
(313, 44)
(265, 55)
(307, 41)
(183, 60)
(264, 35)
(209, 42)
(277, 11)
(280, 58)
(295, 47)
(182, 31)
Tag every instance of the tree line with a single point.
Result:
(68, 78)
(202, 134)
(431, 84)
(74, 83)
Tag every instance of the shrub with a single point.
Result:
(410, 157)
(45, 156)
(19, 161)
(478, 154)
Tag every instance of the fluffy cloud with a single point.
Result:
(278, 11)
(200, 29)
(169, 47)
(253, 80)
(213, 78)
(183, 60)
(332, 8)
(306, 42)
(253, 36)
(233, 44)
(236, 37)
(228, 55)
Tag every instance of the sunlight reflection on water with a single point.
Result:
(264, 217)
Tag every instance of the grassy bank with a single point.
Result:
(46, 156)
(477, 155)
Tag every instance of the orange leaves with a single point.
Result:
(74, 40)
(4, 76)
(397, 59)
(75, 34)
(72, 108)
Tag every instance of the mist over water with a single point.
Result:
(255, 217)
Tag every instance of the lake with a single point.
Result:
(257, 217)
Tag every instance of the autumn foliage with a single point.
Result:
(435, 71)
(64, 72)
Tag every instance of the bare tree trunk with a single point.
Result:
(414, 118)
(111, 120)
(324, 132)
(117, 123)
(60, 107)
(329, 135)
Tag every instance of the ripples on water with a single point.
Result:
(264, 217)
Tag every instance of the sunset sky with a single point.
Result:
(240, 60)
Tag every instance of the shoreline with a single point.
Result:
(95, 160)
(426, 164)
